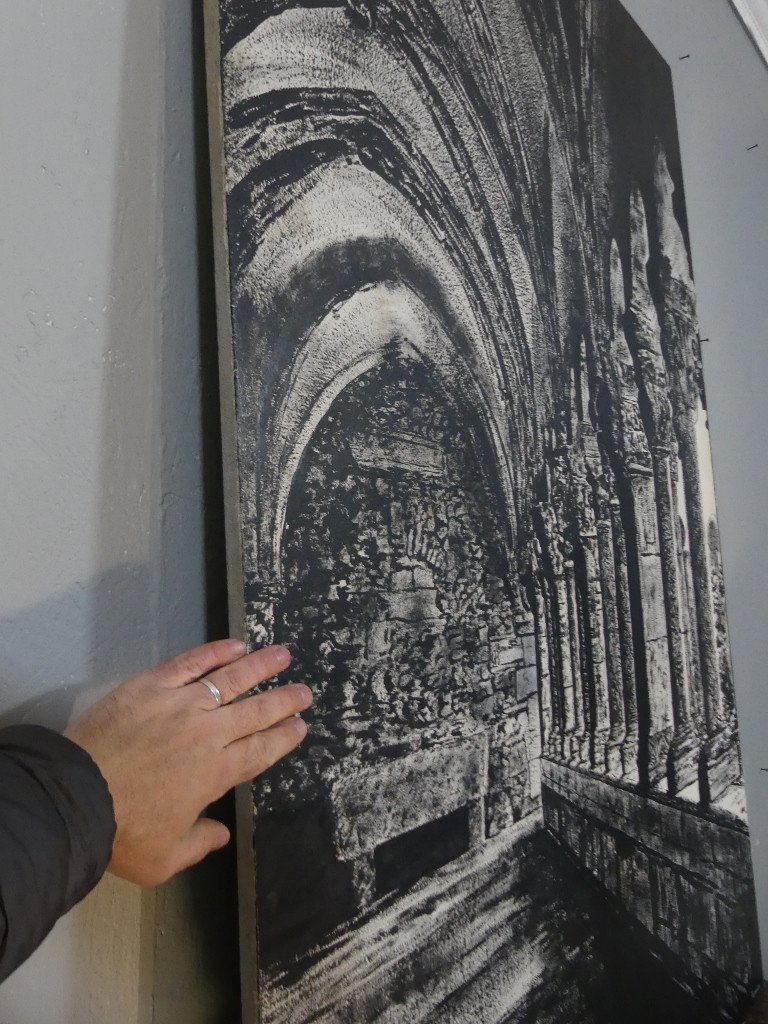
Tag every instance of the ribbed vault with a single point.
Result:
(475, 475)
(395, 163)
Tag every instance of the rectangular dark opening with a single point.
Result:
(405, 859)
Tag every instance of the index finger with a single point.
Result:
(191, 665)
(245, 673)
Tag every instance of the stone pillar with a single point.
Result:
(687, 602)
(539, 606)
(629, 746)
(548, 650)
(721, 623)
(595, 680)
(679, 333)
(652, 621)
(608, 727)
(686, 742)
(562, 628)
(562, 495)
(652, 375)
(602, 722)
(654, 628)
(701, 577)
(617, 724)
(476, 823)
(580, 740)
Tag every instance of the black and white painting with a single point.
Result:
(471, 489)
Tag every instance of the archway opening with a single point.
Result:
(401, 603)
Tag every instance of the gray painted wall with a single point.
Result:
(102, 519)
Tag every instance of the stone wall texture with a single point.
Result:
(686, 877)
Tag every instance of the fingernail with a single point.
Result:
(236, 646)
(301, 727)
(282, 655)
(304, 693)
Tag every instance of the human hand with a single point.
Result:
(167, 750)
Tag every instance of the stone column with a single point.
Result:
(687, 602)
(685, 751)
(602, 723)
(538, 601)
(616, 708)
(652, 374)
(638, 469)
(608, 727)
(679, 332)
(562, 628)
(594, 627)
(721, 623)
(654, 628)
(548, 650)
(563, 500)
(580, 740)
(629, 745)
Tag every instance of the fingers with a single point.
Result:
(252, 755)
(264, 710)
(243, 674)
(205, 836)
(200, 661)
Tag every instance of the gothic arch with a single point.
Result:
(357, 336)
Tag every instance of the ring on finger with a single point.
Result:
(214, 690)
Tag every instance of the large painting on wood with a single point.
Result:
(469, 484)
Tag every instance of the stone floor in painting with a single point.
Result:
(512, 934)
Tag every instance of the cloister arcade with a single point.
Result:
(474, 467)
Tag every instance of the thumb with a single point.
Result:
(205, 836)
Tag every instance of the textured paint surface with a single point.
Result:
(476, 492)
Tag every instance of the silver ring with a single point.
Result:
(214, 690)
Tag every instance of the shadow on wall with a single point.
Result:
(195, 916)
(151, 529)
(49, 637)
(102, 626)
(195, 971)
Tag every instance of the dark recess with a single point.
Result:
(405, 859)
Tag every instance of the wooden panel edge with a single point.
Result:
(231, 489)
